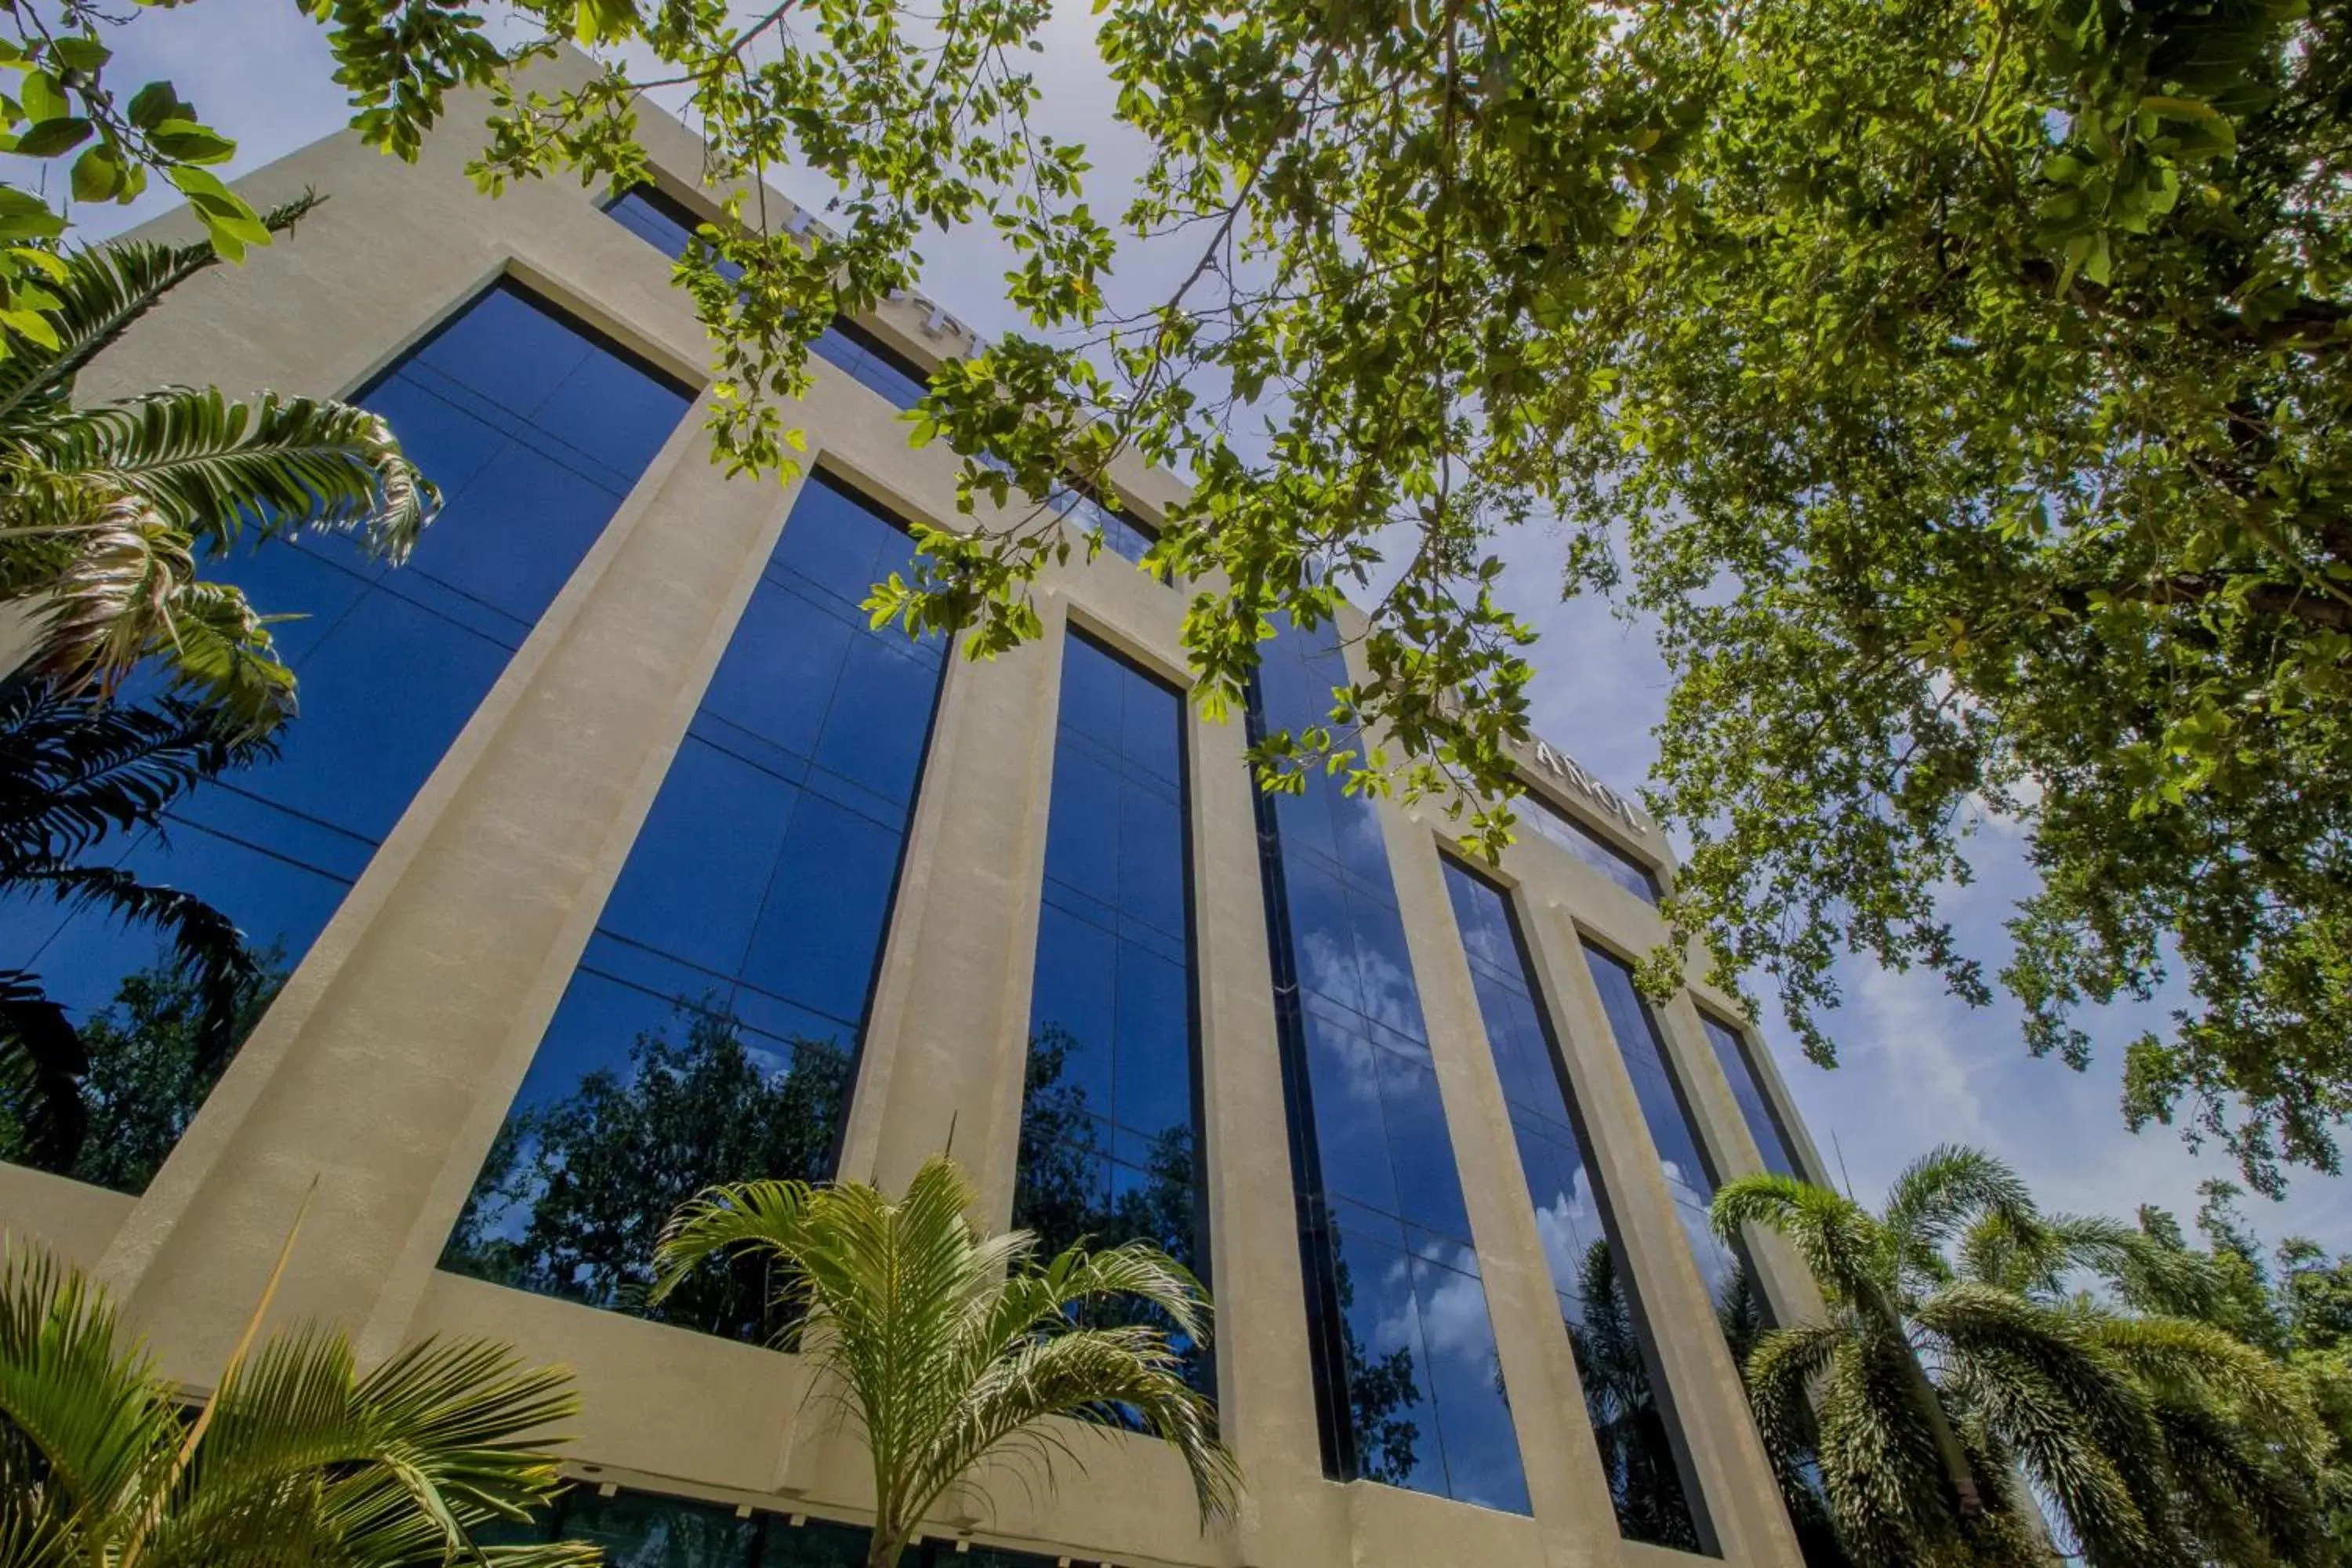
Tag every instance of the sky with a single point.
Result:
(1918, 1067)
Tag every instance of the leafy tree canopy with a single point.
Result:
(1962, 386)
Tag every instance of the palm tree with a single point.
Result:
(948, 1348)
(2149, 1440)
(298, 1462)
(104, 513)
(105, 510)
(77, 773)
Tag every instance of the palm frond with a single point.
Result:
(950, 1348)
(210, 466)
(102, 290)
(2033, 1253)
(1835, 1236)
(42, 1060)
(112, 585)
(1938, 1194)
(82, 1421)
(1781, 1372)
(396, 1467)
(2195, 1362)
(75, 768)
(205, 941)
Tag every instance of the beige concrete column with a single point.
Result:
(1565, 1482)
(383, 1069)
(1265, 1392)
(949, 1035)
(1731, 1147)
(1733, 1473)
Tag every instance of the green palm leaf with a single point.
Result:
(75, 768)
(2153, 1441)
(946, 1348)
(208, 466)
(99, 292)
(304, 1463)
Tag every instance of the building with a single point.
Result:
(609, 809)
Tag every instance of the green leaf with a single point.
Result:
(50, 137)
(26, 216)
(604, 21)
(155, 104)
(82, 54)
(100, 174)
(186, 141)
(31, 325)
(42, 98)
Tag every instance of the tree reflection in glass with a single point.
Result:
(576, 1189)
(1110, 1148)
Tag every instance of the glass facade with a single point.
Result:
(711, 1032)
(1110, 1140)
(1626, 1392)
(667, 224)
(1772, 1141)
(1124, 534)
(1665, 1112)
(1557, 824)
(642, 1529)
(536, 430)
(1409, 1388)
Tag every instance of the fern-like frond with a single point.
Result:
(103, 290)
(83, 1421)
(75, 768)
(1939, 1194)
(1835, 1236)
(211, 467)
(206, 941)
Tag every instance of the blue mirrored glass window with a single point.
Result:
(1621, 867)
(1124, 534)
(669, 224)
(711, 1032)
(535, 429)
(1764, 1124)
(873, 363)
(1665, 1112)
(1409, 1386)
(662, 221)
(1110, 1140)
(647, 1529)
(1641, 1449)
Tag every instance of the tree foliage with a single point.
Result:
(575, 1191)
(1962, 386)
(1955, 1353)
(80, 776)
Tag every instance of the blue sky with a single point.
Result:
(1919, 1066)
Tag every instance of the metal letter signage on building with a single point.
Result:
(1569, 771)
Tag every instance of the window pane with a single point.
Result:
(1110, 1143)
(1650, 1483)
(1589, 846)
(1772, 1140)
(1408, 1389)
(873, 363)
(668, 225)
(391, 663)
(712, 1030)
(640, 1530)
